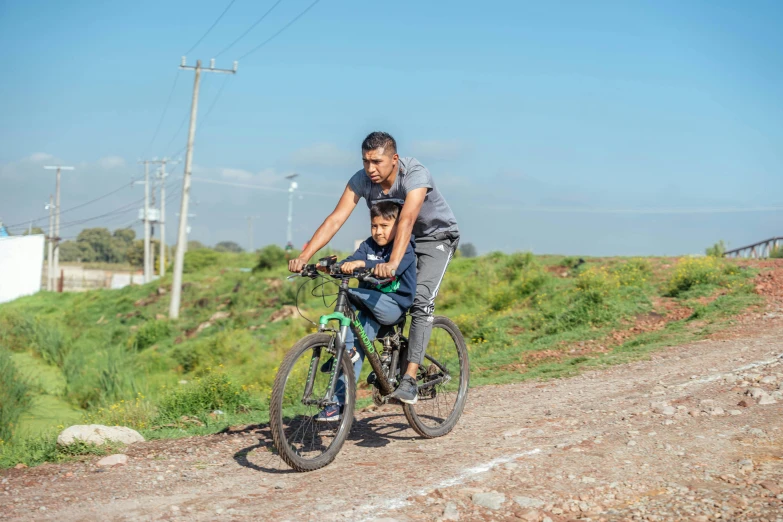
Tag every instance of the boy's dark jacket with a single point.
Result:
(373, 254)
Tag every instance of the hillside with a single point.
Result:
(113, 357)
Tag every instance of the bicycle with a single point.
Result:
(301, 389)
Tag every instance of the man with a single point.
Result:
(425, 215)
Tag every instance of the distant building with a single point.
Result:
(21, 265)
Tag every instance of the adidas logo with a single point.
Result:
(441, 248)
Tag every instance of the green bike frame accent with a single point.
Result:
(363, 336)
(344, 321)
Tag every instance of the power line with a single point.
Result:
(286, 26)
(163, 114)
(210, 27)
(250, 28)
(77, 206)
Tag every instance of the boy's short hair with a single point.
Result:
(385, 209)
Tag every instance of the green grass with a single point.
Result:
(113, 357)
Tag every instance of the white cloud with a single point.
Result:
(326, 155)
(39, 157)
(111, 162)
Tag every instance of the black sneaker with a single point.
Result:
(407, 391)
(329, 414)
(327, 366)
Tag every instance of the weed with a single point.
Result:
(15, 396)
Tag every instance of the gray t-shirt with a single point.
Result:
(435, 216)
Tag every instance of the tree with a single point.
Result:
(135, 253)
(228, 246)
(100, 240)
(271, 256)
(717, 250)
(76, 252)
(468, 250)
(195, 245)
(36, 231)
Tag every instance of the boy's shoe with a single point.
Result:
(329, 414)
(407, 391)
(327, 366)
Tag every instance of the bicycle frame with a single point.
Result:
(345, 315)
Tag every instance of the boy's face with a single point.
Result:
(383, 230)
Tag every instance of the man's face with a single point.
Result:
(379, 165)
(383, 230)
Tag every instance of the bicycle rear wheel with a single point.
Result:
(303, 443)
(446, 366)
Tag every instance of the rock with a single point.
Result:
(161, 290)
(752, 377)
(743, 403)
(530, 516)
(219, 315)
(735, 412)
(755, 393)
(20, 466)
(756, 432)
(175, 508)
(113, 460)
(707, 405)
(745, 465)
(490, 500)
(771, 487)
(730, 378)
(631, 443)
(717, 411)
(450, 511)
(766, 400)
(98, 434)
(769, 379)
(546, 519)
(528, 502)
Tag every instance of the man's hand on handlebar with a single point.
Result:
(385, 270)
(296, 265)
(349, 266)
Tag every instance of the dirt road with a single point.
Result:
(677, 437)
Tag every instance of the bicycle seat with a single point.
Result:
(387, 330)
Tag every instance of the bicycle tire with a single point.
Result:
(424, 421)
(292, 430)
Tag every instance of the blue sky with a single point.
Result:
(594, 128)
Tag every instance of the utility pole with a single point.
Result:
(56, 256)
(179, 258)
(162, 175)
(50, 266)
(291, 189)
(146, 220)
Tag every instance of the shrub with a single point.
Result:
(693, 272)
(149, 333)
(200, 259)
(634, 272)
(21, 332)
(776, 252)
(716, 250)
(271, 256)
(15, 396)
(213, 391)
(136, 413)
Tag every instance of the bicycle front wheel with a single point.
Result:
(302, 442)
(443, 382)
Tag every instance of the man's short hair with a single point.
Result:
(385, 209)
(379, 140)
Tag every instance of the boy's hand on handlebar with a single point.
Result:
(296, 265)
(385, 270)
(349, 266)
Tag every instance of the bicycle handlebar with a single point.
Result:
(364, 274)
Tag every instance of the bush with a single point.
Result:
(200, 259)
(693, 272)
(716, 250)
(149, 333)
(21, 332)
(15, 396)
(776, 252)
(271, 256)
(213, 391)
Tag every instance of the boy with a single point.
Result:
(388, 302)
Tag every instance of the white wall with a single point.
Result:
(21, 263)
